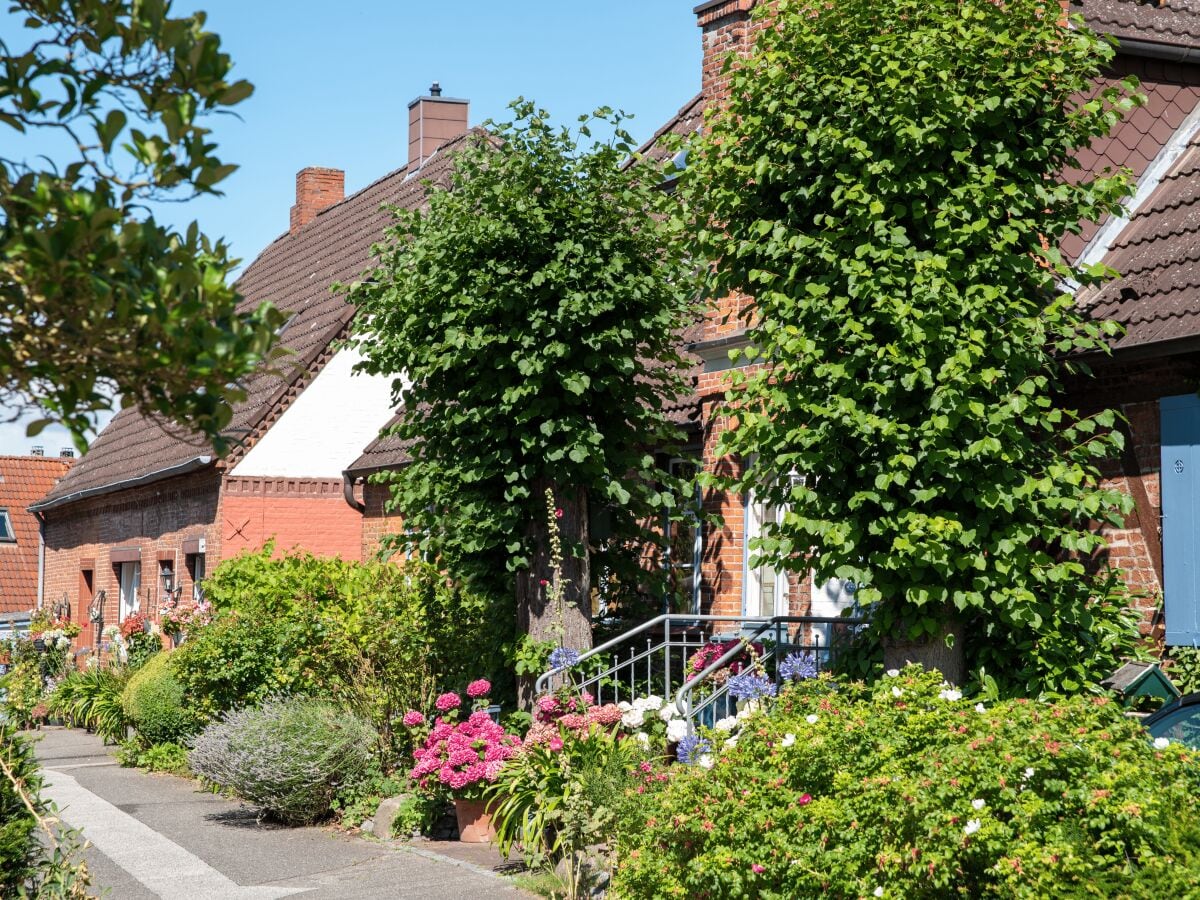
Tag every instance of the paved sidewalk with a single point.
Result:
(157, 836)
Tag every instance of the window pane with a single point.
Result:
(6, 529)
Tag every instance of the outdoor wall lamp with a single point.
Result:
(171, 591)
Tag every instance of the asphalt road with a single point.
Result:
(157, 836)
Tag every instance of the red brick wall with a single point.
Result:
(156, 518)
(377, 522)
(306, 513)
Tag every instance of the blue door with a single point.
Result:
(1181, 517)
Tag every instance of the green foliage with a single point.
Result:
(153, 701)
(1184, 668)
(23, 691)
(902, 790)
(416, 814)
(557, 274)
(288, 756)
(38, 857)
(358, 800)
(123, 88)
(91, 699)
(170, 758)
(555, 803)
(378, 638)
(897, 222)
(19, 845)
(140, 647)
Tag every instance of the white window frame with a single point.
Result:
(753, 519)
(129, 585)
(698, 538)
(198, 574)
(8, 534)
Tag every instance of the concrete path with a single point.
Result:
(157, 836)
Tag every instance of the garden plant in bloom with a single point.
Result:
(907, 789)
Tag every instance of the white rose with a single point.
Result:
(878, 892)
(950, 694)
(978, 804)
(677, 730)
(980, 708)
(896, 692)
(893, 673)
(788, 740)
(811, 718)
(973, 826)
(1162, 743)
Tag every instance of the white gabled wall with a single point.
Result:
(326, 427)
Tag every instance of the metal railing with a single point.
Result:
(653, 658)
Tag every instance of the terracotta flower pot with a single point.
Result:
(474, 821)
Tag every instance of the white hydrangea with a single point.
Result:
(633, 718)
(705, 761)
(726, 724)
(643, 740)
(749, 708)
(668, 713)
(731, 742)
(677, 730)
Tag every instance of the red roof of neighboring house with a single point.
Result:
(1172, 22)
(295, 272)
(23, 481)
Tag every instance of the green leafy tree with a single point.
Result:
(886, 182)
(535, 307)
(101, 111)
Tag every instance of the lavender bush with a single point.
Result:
(287, 756)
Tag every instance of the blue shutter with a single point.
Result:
(1180, 483)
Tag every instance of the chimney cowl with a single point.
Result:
(316, 189)
(432, 121)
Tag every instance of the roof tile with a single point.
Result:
(23, 480)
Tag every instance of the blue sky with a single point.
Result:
(333, 82)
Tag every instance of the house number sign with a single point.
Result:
(1179, 467)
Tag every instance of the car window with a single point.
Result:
(1182, 725)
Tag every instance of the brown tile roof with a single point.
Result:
(295, 273)
(1174, 22)
(685, 122)
(1157, 296)
(23, 480)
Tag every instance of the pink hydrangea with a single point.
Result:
(608, 714)
(464, 754)
(479, 688)
(556, 743)
(412, 718)
(448, 701)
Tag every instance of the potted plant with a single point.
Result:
(463, 756)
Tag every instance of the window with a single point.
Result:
(130, 580)
(684, 545)
(765, 587)
(195, 564)
(7, 535)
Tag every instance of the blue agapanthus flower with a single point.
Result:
(563, 657)
(751, 686)
(798, 666)
(691, 748)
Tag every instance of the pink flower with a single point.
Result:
(544, 582)
(757, 869)
(556, 743)
(480, 688)
(558, 513)
(448, 701)
(805, 799)
(412, 718)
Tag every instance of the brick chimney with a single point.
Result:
(316, 188)
(725, 25)
(433, 120)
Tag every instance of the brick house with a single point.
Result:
(1155, 365)
(149, 496)
(24, 480)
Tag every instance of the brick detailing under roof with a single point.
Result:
(1173, 22)
(23, 481)
(294, 272)
(1157, 297)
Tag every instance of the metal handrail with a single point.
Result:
(543, 682)
(685, 691)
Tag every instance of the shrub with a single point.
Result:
(19, 845)
(378, 638)
(23, 687)
(169, 758)
(91, 699)
(153, 703)
(288, 756)
(902, 789)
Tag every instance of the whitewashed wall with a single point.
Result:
(326, 427)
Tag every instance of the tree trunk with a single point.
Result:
(536, 616)
(932, 653)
